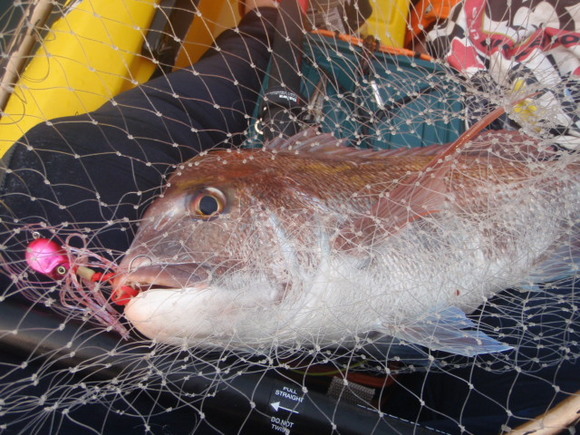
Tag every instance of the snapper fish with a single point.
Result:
(310, 242)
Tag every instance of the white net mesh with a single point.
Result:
(172, 265)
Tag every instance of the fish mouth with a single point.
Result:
(159, 277)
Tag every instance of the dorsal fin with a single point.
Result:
(308, 140)
(325, 145)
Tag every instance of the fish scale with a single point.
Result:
(452, 229)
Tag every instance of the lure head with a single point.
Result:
(47, 257)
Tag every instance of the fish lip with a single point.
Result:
(165, 276)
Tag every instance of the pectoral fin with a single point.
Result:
(418, 195)
(449, 331)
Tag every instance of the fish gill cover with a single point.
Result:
(170, 267)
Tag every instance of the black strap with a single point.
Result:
(282, 102)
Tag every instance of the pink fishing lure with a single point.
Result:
(81, 285)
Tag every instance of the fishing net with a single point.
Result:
(102, 101)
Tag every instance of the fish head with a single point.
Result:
(229, 237)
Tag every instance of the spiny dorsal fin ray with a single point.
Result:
(308, 140)
(312, 143)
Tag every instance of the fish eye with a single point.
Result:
(208, 203)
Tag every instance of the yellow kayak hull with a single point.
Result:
(93, 52)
